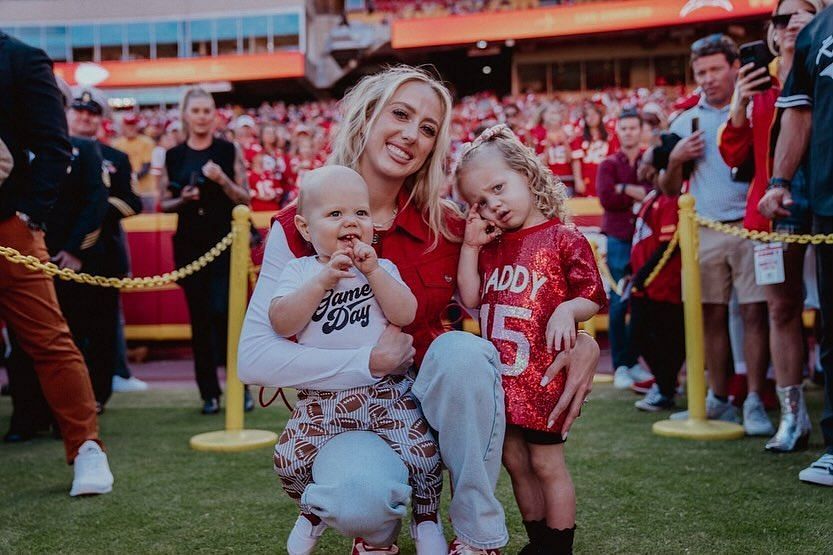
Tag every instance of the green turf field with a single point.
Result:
(637, 492)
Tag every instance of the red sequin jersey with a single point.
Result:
(526, 275)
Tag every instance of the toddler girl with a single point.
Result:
(533, 277)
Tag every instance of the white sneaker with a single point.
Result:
(654, 401)
(639, 373)
(92, 473)
(715, 410)
(304, 536)
(820, 472)
(755, 420)
(428, 538)
(127, 385)
(622, 378)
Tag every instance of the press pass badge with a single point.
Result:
(769, 263)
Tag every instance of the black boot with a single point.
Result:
(535, 530)
(559, 542)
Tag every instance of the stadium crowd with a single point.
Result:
(573, 132)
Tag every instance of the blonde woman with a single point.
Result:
(202, 180)
(395, 133)
(755, 94)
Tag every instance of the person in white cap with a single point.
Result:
(244, 131)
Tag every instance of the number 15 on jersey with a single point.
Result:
(499, 332)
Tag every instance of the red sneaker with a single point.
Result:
(359, 547)
(459, 548)
(643, 386)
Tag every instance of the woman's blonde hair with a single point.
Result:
(548, 192)
(818, 6)
(190, 94)
(361, 107)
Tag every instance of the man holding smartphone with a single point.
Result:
(726, 262)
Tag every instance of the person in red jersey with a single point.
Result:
(753, 120)
(305, 159)
(533, 277)
(551, 138)
(266, 191)
(594, 144)
(657, 325)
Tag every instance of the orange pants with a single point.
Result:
(30, 308)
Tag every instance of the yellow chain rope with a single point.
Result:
(666, 256)
(764, 236)
(605, 271)
(50, 269)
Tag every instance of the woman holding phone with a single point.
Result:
(743, 137)
(196, 185)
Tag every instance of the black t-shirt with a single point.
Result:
(202, 223)
(810, 84)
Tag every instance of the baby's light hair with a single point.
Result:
(548, 192)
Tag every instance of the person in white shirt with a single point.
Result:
(342, 297)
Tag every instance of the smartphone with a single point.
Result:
(695, 125)
(757, 53)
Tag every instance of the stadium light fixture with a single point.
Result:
(482, 44)
(487, 70)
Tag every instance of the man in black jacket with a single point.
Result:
(85, 118)
(110, 257)
(33, 127)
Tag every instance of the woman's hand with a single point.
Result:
(479, 232)
(749, 79)
(190, 193)
(364, 257)
(213, 172)
(561, 329)
(393, 354)
(580, 364)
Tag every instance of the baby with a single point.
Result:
(343, 298)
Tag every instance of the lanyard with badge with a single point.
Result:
(769, 263)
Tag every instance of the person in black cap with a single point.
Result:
(85, 117)
(32, 122)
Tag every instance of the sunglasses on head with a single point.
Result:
(705, 42)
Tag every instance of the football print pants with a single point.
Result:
(388, 409)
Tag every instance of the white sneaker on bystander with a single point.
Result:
(92, 472)
(127, 385)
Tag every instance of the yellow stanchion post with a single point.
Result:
(697, 426)
(235, 438)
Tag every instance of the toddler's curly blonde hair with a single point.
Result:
(549, 193)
